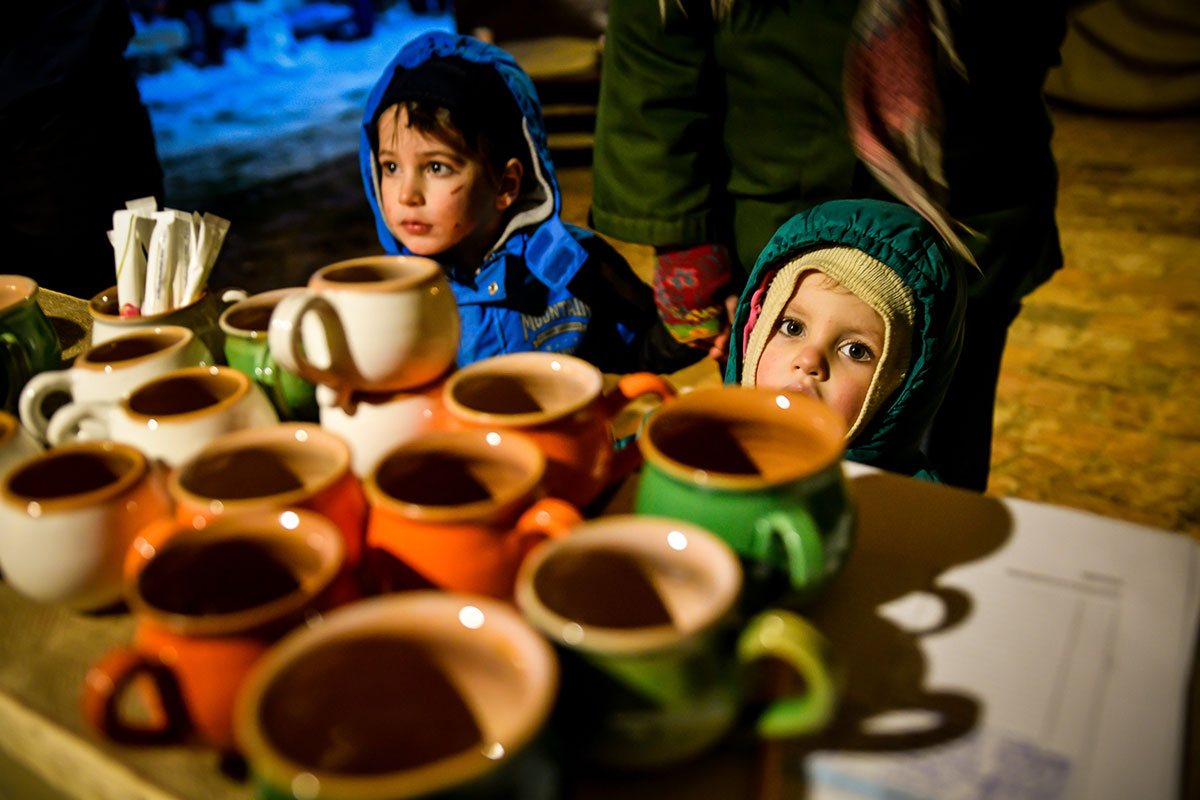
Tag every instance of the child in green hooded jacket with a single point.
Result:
(860, 304)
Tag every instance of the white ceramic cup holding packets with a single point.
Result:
(170, 417)
(110, 370)
(373, 324)
(200, 316)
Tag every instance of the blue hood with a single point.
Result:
(539, 202)
(900, 238)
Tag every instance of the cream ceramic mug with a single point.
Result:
(16, 443)
(110, 370)
(170, 417)
(376, 324)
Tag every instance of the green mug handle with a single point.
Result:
(17, 369)
(789, 637)
(795, 532)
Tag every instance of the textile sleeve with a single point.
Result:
(657, 139)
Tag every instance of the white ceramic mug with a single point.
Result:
(375, 324)
(200, 315)
(112, 369)
(170, 417)
(68, 516)
(16, 443)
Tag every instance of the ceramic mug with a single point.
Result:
(207, 604)
(28, 342)
(560, 402)
(200, 315)
(373, 423)
(16, 443)
(459, 510)
(292, 464)
(67, 517)
(172, 416)
(108, 371)
(413, 695)
(654, 655)
(377, 324)
(761, 468)
(245, 325)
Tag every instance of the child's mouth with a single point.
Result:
(415, 227)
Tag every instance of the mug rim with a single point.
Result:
(310, 529)
(271, 297)
(102, 299)
(415, 613)
(285, 432)
(26, 289)
(242, 388)
(418, 270)
(829, 428)
(476, 510)
(185, 336)
(8, 427)
(630, 533)
(525, 363)
(138, 468)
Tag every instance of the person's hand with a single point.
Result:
(719, 348)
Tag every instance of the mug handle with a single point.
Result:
(796, 534)
(627, 457)
(548, 518)
(105, 684)
(789, 637)
(33, 396)
(16, 367)
(286, 345)
(65, 424)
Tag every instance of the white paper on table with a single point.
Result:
(1078, 647)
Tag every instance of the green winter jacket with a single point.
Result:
(900, 238)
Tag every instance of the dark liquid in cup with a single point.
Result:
(69, 474)
(254, 318)
(367, 706)
(605, 588)
(117, 350)
(248, 472)
(179, 395)
(497, 394)
(440, 479)
(218, 577)
(361, 274)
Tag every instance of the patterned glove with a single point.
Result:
(690, 286)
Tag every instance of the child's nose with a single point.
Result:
(812, 362)
(409, 191)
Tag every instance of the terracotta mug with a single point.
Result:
(28, 342)
(655, 655)
(108, 371)
(208, 603)
(172, 416)
(560, 402)
(422, 694)
(292, 464)
(67, 517)
(375, 324)
(761, 468)
(459, 510)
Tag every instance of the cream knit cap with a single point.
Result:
(869, 279)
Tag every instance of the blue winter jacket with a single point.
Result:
(546, 284)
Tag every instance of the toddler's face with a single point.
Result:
(827, 345)
(436, 199)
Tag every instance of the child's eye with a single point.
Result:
(857, 351)
(791, 327)
(439, 168)
(388, 167)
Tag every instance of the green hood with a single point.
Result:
(900, 238)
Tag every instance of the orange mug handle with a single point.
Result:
(105, 684)
(630, 387)
(548, 518)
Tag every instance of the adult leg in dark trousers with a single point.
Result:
(71, 153)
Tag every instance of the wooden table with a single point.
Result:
(923, 552)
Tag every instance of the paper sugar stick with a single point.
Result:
(129, 236)
(210, 239)
(144, 206)
(162, 260)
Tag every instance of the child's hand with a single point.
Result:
(719, 348)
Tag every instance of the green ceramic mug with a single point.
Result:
(657, 662)
(245, 325)
(28, 343)
(762, 469)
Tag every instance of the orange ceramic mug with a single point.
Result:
(459, 510)
(560, 402)
(208, 603)
(296, 464)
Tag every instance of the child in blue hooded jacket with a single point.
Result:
(860, 304)
(456, 167)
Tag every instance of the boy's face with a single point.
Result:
(827, 345)
(437, 199)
